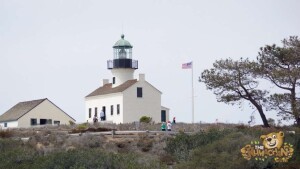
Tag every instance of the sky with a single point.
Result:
(57, 49)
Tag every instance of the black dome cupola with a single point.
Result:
(122, 55)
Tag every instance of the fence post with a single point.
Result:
(113, 132)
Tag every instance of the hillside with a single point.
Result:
(200, 146)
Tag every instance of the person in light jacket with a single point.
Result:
(169, 126)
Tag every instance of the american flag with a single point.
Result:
(187, 65)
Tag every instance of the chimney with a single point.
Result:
(105, 81)
(141, 77)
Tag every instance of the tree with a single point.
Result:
(281, 66)
(271, 122)
(234, 81)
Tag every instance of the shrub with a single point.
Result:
(5, 133)
(182, 144)
(145, 119)
(224, 153)
(90, 158)
(82, 126)
(71, 122)
(145, 143)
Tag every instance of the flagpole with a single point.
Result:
(192, 93)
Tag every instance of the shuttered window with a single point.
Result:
(139, 92)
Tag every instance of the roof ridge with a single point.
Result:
(108, 89)
(34, 100)
(20, 109)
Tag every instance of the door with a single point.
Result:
(163, 116)
(104, 111)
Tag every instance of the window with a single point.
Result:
(33, 122)
(114, 80)
(90, 112)
(112, 110)
(5, 124)
(57, 122)
(49, 121)
(118, 109)
(43, 121)
(96, 111)
(139, 92)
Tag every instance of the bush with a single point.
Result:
(182, 144)
(5, 133)
(14, 154)
(92, 158)
(82, 126)
(71, 122)
(145, 119)
(145, 143)
(224, 153)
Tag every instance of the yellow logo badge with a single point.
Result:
(273, 145)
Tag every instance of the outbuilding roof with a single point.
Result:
(21, 109)
(108, 89)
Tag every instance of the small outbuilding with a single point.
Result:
(33, 113)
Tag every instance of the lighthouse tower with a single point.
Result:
(126, 99)
(122, 66)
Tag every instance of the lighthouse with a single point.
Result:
(122, 66)
(125, 99)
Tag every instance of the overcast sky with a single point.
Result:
(57, 49)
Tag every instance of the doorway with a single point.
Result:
(163, 116)
(104, 111)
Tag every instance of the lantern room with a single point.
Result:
(122, 55)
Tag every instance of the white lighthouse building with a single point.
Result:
(125, 99)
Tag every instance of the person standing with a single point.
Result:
(169, 126)
(163, 126)
(174, 120)
(95, 119)
(102, 116)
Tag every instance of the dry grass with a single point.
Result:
(6, 133)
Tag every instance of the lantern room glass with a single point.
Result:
(122, 53)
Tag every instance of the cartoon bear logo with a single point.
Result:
(273, 140)
(272, 146)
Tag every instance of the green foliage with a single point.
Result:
(15, 155)
(87, 159)
(82, 126)
(215, 148)
(234, 81)
(271, 122)
(71, 122)
(281, 66)
(221, 150)
(182, 144)
(145, 143)
(145, 119)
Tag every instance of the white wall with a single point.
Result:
(107, 101)
(45, 110)
(148, 105)
(122, 75)
(10, 124)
